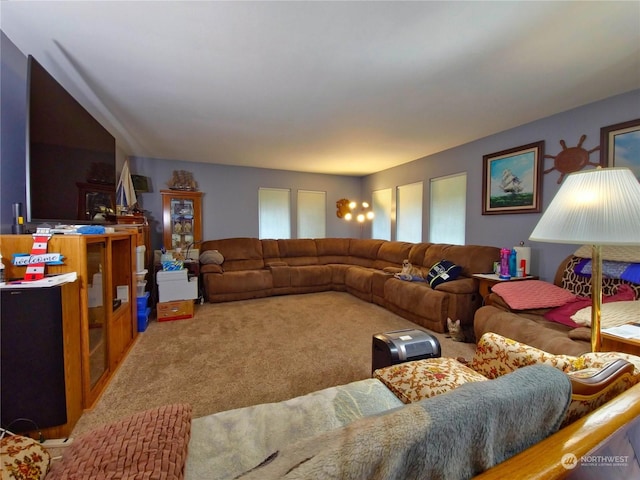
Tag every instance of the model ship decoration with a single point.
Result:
(571, 159)
(182, 180)
(510, 183)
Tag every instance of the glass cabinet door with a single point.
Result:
(97, 313)
(182, 226)
(181, 218)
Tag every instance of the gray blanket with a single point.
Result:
(452, 436)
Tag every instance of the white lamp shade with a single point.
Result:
(596, 207)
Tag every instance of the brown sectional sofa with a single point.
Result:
(255, 268)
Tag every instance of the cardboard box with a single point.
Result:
(177, 310)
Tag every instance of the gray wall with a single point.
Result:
(13, 94)
(230, 202)
(509, 230)
(231, 199)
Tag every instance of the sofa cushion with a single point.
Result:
(359, 279)
(332, 250)
(239, 253)
(298, 251)
(363, 252)
(528, 294)
(241, 281)
(391, 254)
(270, 251)
(420, 379)
(310, 275)
(23, 458)
(496, 355)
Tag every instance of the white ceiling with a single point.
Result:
(333, 87)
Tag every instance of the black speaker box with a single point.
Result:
(32, 384)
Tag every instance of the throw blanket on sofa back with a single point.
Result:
(454, 436)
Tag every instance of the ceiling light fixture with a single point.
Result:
(347, 209)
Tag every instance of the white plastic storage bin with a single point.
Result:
(175, 285)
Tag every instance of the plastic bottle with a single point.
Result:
(513, 268)
(504, 263)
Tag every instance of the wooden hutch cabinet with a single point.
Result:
(181, 218)
(103, 310)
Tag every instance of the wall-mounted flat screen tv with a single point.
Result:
(71, 157)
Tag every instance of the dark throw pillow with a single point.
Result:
(442, 271)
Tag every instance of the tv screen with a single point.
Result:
(71, 157)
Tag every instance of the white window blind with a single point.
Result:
(409, 213)
(381, 205)
(274, 213)
(312, 214)
(447, 210)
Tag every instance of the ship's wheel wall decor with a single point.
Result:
(571, 159)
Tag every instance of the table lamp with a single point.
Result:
(594, 207)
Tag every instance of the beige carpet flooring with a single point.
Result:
(235, 354)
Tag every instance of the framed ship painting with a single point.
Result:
(512, 180)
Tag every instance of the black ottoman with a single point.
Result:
(401, 346)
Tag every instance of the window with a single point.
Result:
(274, 211)
(381, 205)
(409, 213)
(448, 209)
(312, 214)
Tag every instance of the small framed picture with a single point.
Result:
(620, 146)
(513, 180)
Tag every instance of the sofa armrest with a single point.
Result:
(590, 381)
(211, 268)
(392, 270)
(461, 285)
(497, 301)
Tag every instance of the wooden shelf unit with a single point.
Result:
(113, 257)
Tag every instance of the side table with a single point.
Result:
(488, 280)
(613, 343)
